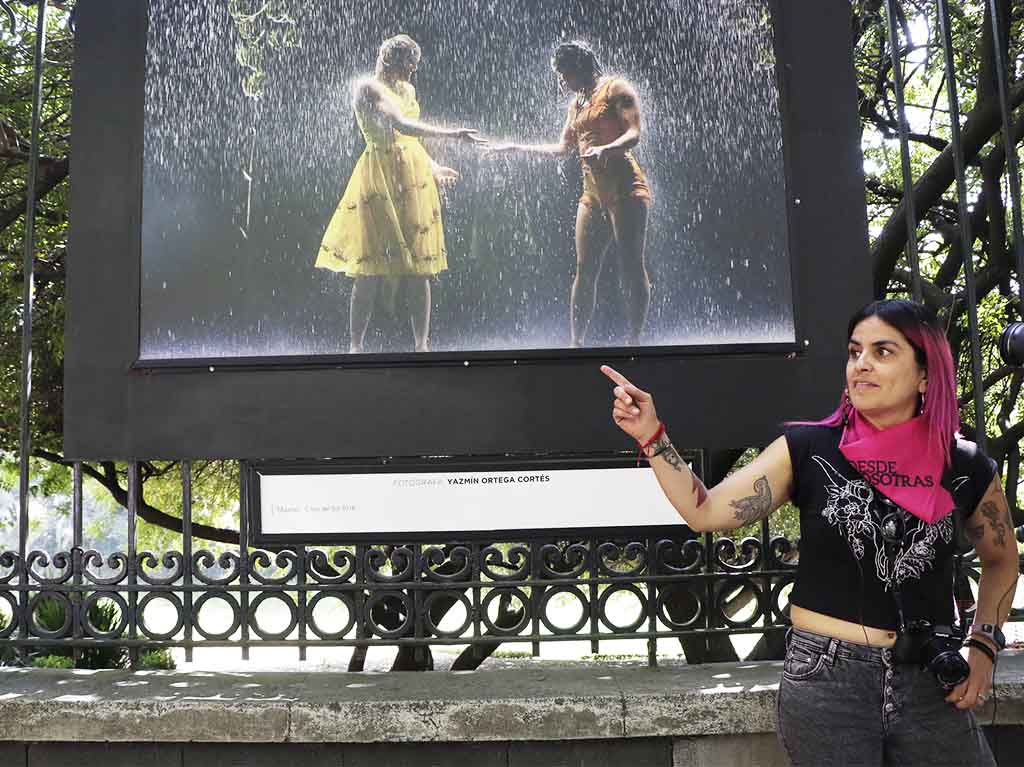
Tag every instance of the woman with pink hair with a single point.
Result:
(877, 669)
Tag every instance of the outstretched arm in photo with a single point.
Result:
(560, 149)
(373, 101)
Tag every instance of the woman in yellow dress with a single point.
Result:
(388, 223)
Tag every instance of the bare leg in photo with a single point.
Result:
(629, 223)
(417, 293)
(592, 241)
(364, 294)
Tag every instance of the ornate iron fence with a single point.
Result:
(666, 583)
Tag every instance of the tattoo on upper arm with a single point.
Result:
(975, 532)
(754, 507)
(996, 520)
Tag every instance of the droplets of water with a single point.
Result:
(250, 140)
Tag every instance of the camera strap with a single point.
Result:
(893, 545)
(958, 563)
(892, 548)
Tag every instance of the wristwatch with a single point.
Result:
(991, 632)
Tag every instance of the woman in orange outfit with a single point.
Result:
(603, 122)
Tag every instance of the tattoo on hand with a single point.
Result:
(996, 520)
(754, 507)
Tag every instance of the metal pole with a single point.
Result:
(25, 437)
(134, 493)
(78, 620)
(966, 238)
(1012, 166)
(186, 552)
(243, 554)
(908, 177)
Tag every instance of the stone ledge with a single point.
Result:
(539, 701)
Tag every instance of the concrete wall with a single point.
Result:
(539, 715)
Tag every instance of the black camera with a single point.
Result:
(934, 647)
(1011, 344)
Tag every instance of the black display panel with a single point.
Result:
(446, 402)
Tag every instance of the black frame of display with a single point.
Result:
(473, 403)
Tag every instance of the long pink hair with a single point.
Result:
(921, 328)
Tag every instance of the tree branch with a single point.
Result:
(50, 175)
(990, 380)
(108, 479)
(982, 123)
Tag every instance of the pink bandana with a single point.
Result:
(901, 463)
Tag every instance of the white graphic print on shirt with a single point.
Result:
(849, 508)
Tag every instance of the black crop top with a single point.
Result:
(844, 568)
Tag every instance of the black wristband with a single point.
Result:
(978, 644)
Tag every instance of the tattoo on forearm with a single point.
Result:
(673, 459)
(663, 448)
(754, 507)
(996, 520)
(660, 444)
(975, 532)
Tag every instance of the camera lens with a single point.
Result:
(950, 668)
(1011, 344)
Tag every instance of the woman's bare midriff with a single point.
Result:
(817, 623)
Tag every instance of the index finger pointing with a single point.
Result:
(615, 375)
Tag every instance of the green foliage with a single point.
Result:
(8, 655)
(49, 614)
(53, 661)
(16, 75)
(157, 660)
(261, 25)
(103, 615)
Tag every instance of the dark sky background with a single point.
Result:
(712, 148)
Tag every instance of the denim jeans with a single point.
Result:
(842, 703)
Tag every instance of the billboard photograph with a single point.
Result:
(460, 177)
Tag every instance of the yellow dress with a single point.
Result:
(388, 222)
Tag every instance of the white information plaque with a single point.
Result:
(314, 506)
